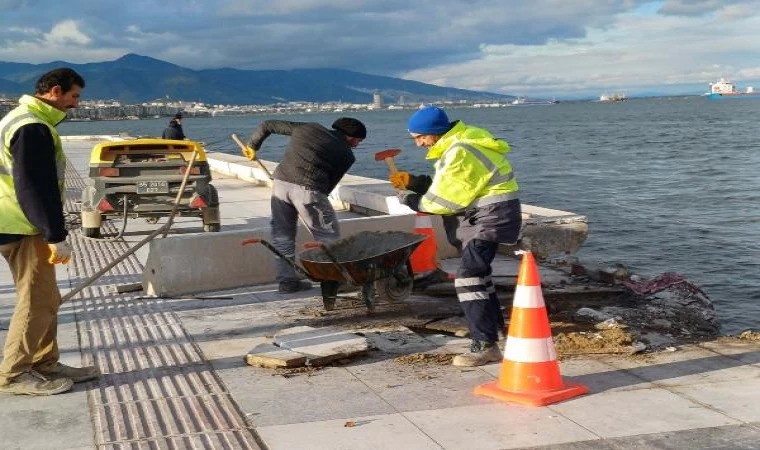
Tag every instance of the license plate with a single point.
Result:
(152, 187)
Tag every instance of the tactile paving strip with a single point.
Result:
(157, 391)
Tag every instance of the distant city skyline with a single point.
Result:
(542, 48)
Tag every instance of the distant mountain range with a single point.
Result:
(136, 79)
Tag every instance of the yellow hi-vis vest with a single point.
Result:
(472, 171)
(30, 110)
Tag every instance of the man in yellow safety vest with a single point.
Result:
(473, 183)
(33, 235)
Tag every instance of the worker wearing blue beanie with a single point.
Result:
(429, 120)
(474, 190)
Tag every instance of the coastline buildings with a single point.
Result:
(155, 109)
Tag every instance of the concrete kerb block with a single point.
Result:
(189, 264)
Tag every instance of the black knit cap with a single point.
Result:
(350, 127)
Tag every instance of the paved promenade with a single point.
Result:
(175, 376)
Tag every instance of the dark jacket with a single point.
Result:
(173, 131)
(316, 157)
(36, 182)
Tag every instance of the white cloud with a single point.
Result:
(64, 41)
(66, 32)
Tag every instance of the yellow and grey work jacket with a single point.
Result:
(30, 110)
(474, 177)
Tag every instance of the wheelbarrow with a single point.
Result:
(377, 261)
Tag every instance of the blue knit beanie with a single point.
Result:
(429, 120)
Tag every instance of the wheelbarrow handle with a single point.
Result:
(333, 259)
(290, 261)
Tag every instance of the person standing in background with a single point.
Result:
(474, 183)
(174, 129)
(33, 235)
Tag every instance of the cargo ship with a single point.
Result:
(725, 89)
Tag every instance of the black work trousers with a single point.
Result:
(476, 291)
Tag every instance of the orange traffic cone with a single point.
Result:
(424, 256)
(530, 371)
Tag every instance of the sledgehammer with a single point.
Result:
(387, 156)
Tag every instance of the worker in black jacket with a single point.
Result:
(315, 161)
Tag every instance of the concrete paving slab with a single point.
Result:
(629, 413)
(266, 354)
(689, 365)
(730, 437)
(733, 348)
(391, 432)
(736, 399)
(321, 345)
(31, 423)
(497, 426)
(421, 385)
(268, 397)
(599, 376)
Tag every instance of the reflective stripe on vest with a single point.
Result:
(496, 177)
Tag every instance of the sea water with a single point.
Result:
(668, 184)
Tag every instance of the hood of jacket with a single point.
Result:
(464, 134)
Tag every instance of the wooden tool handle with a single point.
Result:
(391, 165)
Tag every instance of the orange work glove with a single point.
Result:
(249, 152)
(399, 180)
(60, 253)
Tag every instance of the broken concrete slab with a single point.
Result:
(321, 345)
(266, 354)
(455, 325)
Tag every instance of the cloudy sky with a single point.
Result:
(565, 48)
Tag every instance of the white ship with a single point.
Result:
(617, 97)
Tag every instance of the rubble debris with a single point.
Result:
(612, 341)
(426, 358)
(295, 371)
(750, 335)
(660, 312)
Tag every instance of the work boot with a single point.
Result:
(33, 383)
(290, 286)
(328, 303)
(480, 353)
(76, 374)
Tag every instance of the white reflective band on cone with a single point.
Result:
(423, 222)
(529, 350)
(528, 297)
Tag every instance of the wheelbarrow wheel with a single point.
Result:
(397, 287)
